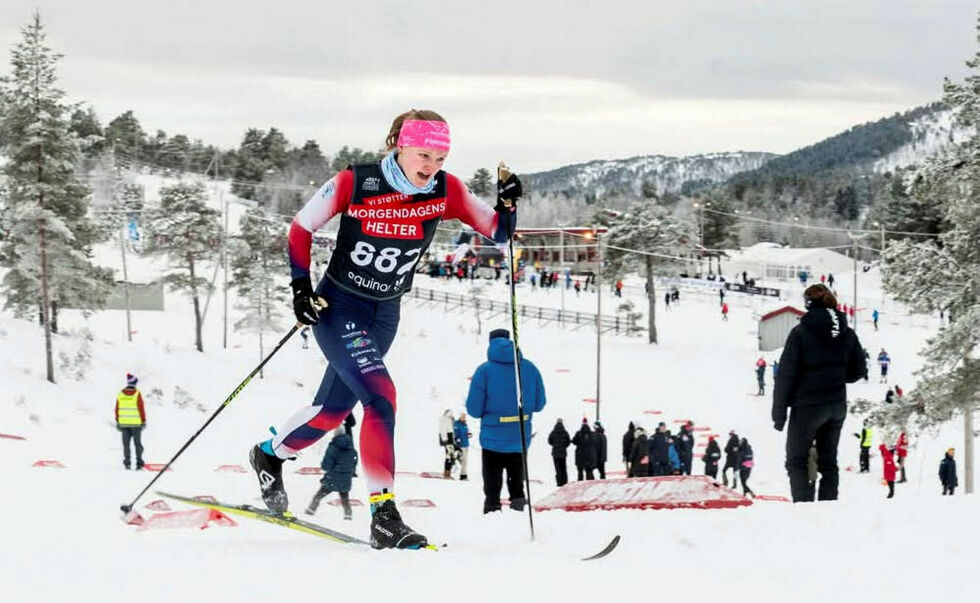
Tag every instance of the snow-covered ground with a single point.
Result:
(62, 538)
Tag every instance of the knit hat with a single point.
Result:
(131, 380)
(503, 166)
(494, 334)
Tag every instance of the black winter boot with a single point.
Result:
(389, 532)
(269, 471)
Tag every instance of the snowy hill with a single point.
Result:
(630, 176)
(861, 548)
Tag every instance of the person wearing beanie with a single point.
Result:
(509, 187)
(731, 459)
(947, 473)
(888, 468)
(131, 420)
(461, 431)
(628, 438)
(492, 398)
(711, 458)
(338, 464)
(559, 440)
(599, 434)
(354, 307)
(821, 356)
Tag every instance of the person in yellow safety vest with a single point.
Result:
(865, 438)
(131, 420)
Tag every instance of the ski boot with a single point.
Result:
(268, 468)
(387, 529)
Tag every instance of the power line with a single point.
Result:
(815, 227)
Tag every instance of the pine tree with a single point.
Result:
(126, 137)
(186, 230)
(249, 165)
(645, 237)
(945, 274)
(481, 183)
(258, 260)
(49, 236)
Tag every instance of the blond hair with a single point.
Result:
(396, 126)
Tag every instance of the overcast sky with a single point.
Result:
(542, 83)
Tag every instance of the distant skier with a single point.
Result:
(724, 311)
(667, 300)
(821, 356)
(492, 398)
(721, 297)
(884, 361)
(559, 440)
(830, 281)
(874, 317)
(731, 459)
(585, 451)
(601, 452)
(889, 396)
(712, 456)
(619, 288)
(947, 473)
(370, 268)
(760, 375)
(131, 420)
(888, 468)
(338, 464)
(746, 460)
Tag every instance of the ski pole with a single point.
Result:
(517, 376)
(241, 386)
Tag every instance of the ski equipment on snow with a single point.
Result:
(241, 386)
(608, 549)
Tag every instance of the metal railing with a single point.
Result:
(620, 325)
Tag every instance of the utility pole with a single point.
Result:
(854, 247)
(122, 249)
(561, 263)
(598, 322)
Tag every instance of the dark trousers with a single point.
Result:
(744, 474)
(494, 465)
(901, 469)
(711, 470)
(948, 490)
(602, 470)
(729, 464)
(806, 425)
(134, 434)
(588, 472)
(865, 459)
(561, 470)
(686, 465)
(891, 488)
(659, 468)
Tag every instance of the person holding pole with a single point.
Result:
(389, 212)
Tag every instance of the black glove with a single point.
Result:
(143, 426)
(303, 298)
(778, 418)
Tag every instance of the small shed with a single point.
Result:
(776, 325)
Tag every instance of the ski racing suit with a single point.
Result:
(383, 234)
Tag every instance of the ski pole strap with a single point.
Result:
(380, 498)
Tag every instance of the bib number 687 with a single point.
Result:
(385, 260)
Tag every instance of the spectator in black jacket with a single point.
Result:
(822, 354)
(599, 435)
(585, 451)
(639, 464)
(712, 455)
(559, 441)
(947, 473)
(684, 442)
(509, 188)
(660, 452)
(731, 460)
(746, 461)
(628, 438)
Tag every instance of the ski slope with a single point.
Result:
(63, 539)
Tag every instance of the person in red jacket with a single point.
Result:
(888, 468)
(902, 450)
(724, 311)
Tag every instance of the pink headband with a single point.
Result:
(424, 133)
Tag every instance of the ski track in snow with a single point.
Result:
(63, 540)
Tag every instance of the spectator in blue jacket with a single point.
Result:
(675, 459)
(493, 400)
(461, 432)
(338, 467)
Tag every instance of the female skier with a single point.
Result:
(389, 214)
